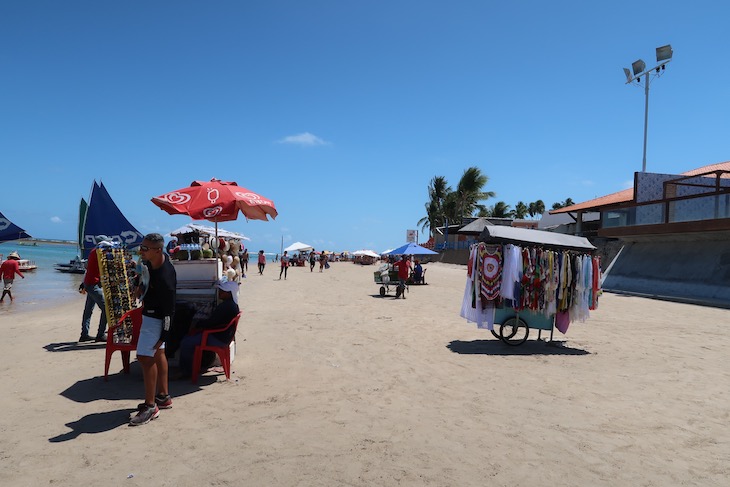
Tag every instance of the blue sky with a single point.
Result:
(342, 112)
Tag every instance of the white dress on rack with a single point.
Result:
(484, 318)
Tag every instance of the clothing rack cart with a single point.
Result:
(512, 326)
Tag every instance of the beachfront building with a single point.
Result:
(674, 234)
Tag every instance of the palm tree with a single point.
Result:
(539, 208)
(521, 210)
(438, 190)
(562, 204)
(469, 193)
(536, 208)
(499, 210)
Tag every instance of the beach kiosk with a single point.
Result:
(539, 280)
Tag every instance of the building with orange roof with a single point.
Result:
(675, 235)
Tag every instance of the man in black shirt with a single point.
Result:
(223, 313)
(158, 307)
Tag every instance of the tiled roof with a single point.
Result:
(628, 194)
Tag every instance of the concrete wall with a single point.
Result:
(693, 271)
(453, 256)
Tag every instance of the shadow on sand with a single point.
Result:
(120, 387)
(497, 347)
(73, 346)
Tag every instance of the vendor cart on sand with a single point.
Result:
(513, 326)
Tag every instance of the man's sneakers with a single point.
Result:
(163, 401)
(145, 414)
(100, 338)
(86, 338)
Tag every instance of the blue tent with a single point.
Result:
(412, 249)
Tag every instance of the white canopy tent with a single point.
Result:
(210, 231)
(299, 247)
(368, 253)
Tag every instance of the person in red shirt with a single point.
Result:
(94, 294)
(8, 269)
(404, 270)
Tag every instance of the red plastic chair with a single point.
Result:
(125, 348)
(224, 353)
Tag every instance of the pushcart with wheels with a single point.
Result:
(387, 280)
(513, 327)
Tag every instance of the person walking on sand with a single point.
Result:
(244, 261)
(404, 270)
(262, 262)
(94, 293)
(158, 307)
(284, 265)
(8, 269)
(312, 260)
(322, 260)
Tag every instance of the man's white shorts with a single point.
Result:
(149, 335)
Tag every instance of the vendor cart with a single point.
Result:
(388, 279)
(513, 326)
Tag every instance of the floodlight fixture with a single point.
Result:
(638, 67)
(629, 78)
(664, 53)
(663, 56)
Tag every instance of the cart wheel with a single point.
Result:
(382, 291)
(514, 331)
(496, 335)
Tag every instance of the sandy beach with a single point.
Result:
(334, 385)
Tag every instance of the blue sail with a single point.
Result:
(104, 218)
(10, 231)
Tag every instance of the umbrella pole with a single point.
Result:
(217, 276)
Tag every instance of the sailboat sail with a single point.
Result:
(83, 208)
(10, 231)
(104, 218)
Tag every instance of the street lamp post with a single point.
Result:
(663, 56)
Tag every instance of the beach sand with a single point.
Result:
(334, 385)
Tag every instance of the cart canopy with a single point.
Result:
(498, 233)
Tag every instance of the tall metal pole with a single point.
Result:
(646, 117)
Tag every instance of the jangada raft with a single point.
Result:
(520, 279)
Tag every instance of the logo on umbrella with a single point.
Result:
(213, 195)
(176, 198)
(212, 212)
(253, 198)
(4, 223)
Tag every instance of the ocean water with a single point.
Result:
(44, 287)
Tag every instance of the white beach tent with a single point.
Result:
(299, 247)
(210, 231)
(368, 253)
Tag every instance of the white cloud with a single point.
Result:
(628, 184)
(56, 219)
(306, 139)
(587, 182)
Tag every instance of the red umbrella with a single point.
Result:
(216, 201)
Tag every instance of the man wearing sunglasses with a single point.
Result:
(158, 306)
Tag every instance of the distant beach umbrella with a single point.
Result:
(412, 249)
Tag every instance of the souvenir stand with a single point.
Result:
(117, 273)
(197, 270)
(521, 279)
